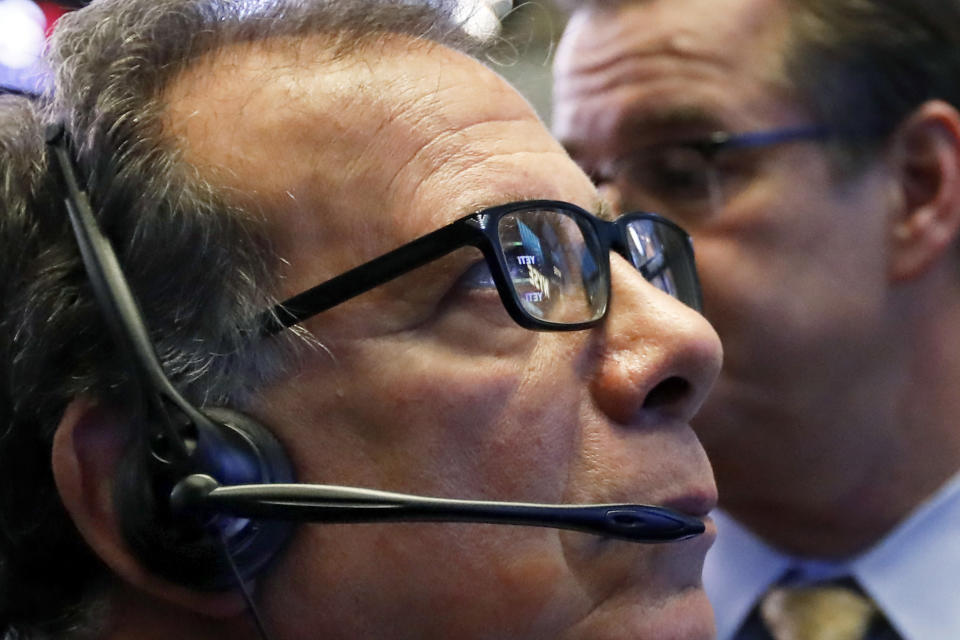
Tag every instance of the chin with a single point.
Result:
(650, 592)
(660, 607)
(688, 616)
(685, 615)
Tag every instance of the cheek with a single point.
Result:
(427, 421)
(432, 420)
(441, 581)
(789, 275)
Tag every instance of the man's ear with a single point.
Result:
(87, 448)
(926, 152)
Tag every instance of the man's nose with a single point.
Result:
(659, 357)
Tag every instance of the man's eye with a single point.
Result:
(675, 172)
(677, 182)
(671, 180)
(473, 302)
(478, 276)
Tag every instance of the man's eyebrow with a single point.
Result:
(599, 207)
(671, 119)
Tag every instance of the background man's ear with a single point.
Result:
(87, 449)
(926, 150)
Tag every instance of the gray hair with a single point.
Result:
(200, 268)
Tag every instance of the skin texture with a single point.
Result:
(425, 385)
(833, 375)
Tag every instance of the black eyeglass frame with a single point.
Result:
(478, 230)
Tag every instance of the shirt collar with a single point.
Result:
(912, 573)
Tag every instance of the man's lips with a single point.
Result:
(698, 503)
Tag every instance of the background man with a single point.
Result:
(238, 153)
(812, 148)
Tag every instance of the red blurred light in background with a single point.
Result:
(24, 25)
(52, 11)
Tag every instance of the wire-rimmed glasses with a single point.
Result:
(686, 177)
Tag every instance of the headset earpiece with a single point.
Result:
(224, 444)
(233, 449)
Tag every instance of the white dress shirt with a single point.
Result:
(913, 574)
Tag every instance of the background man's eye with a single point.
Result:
(667, 176)
(676, 180)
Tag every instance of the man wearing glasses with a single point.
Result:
(326, 219)
(812, 149)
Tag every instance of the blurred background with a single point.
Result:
(526, 33)
(24, 25)
(528, 36)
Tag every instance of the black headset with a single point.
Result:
(178, 440)
(206, 497)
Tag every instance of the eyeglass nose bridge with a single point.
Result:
(613, 237)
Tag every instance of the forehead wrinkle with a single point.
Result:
(651, 91)
(611, 49)
(449, 142)
(626, 67)
(438, 129)
(442, 151)
(613, 53)
(494, 181)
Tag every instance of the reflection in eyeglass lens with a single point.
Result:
(661, 254)
(552, 272)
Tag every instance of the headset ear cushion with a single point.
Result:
(187, 551)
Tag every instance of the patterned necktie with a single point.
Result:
(830, 611)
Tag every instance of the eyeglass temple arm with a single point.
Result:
(367, 276)
(723, 139)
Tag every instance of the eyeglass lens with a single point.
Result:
(553, 264)
(662, 255)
